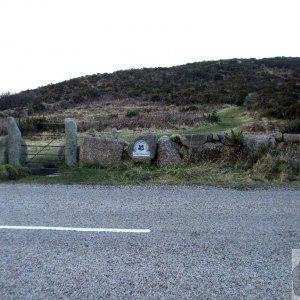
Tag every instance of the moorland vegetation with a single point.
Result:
(270, 86)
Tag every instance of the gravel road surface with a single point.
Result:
(205, 242)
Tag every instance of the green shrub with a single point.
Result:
(134, 92)
(273, 112)
(250, 98)
(84, 93)
(292, 111)
(3, 173)
(188, 108)
(236, 139)
(292, 126)
(132, 113)
(213, 117)
(51, 127)
(11, 172)
(3, 114)
(155, 98)
(113, 116)
(38, 106)
(32, 124)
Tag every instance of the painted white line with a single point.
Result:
(82, 229)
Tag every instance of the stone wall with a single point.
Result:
(174, 150)
(164, 151)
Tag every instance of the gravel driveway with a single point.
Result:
(204, 242)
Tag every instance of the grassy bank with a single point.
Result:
(243, 170)
(230, 117)
(205, 173)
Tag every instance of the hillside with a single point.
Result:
(271, 86)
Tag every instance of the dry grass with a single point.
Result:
(133, 114)
(40, 144)
(98, 118)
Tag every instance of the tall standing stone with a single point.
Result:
(71, 142)
(114, 133)
(14, 142)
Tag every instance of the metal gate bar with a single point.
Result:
(48, 146)
(43, 135)
(45, 146)
(43, 163)
(38, 154)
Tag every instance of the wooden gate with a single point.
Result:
(44, 150)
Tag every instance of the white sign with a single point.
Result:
(141, 149)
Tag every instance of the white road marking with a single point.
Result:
(82, 229)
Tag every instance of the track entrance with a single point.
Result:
(44, 149)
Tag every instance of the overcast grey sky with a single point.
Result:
(47, 41)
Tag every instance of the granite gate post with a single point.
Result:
(71, 142)
(14, 142)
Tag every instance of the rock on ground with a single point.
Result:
(100, 151)
(213, 151)
(291, 138)
(192, 140)
(255, 142)
(167, 154)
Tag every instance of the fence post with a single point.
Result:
(14, 142)
(71, 142)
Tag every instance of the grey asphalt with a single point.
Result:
(205, 242)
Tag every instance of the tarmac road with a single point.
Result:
(204, 242)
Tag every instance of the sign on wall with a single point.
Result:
(141, 149)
